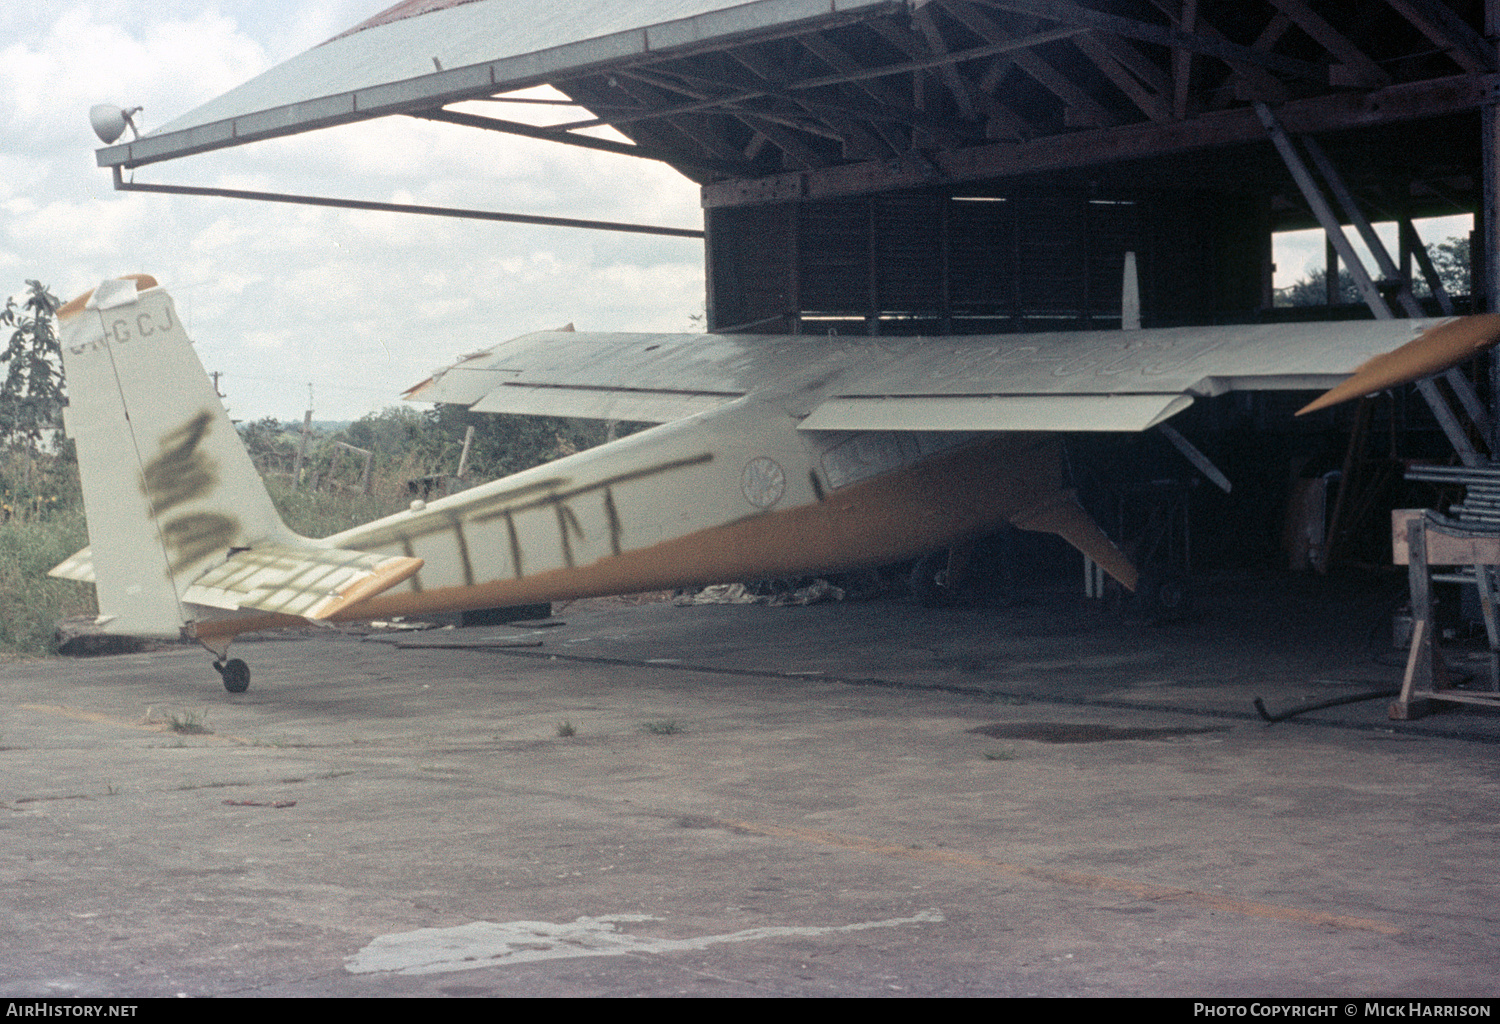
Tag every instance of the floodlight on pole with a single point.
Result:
(109, 121)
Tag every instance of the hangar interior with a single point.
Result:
(901, 167)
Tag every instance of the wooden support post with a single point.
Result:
(1424, 663)
(1484, 578)
(463, 458)
(302, 452)
(1489, 219)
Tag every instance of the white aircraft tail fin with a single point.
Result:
(168, 488)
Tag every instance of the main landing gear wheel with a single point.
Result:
(1164, 597)
(235, 673)
(929, 581)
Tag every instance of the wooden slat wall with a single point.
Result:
(931, 264)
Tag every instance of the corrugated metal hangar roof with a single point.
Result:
(420, 55)
(789, 100)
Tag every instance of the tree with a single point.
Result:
(32, 396)
(1312, 290)
(272, 444)
(1450, 258)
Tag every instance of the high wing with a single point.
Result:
(1056, 381)
(778, 456)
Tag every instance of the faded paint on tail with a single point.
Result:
(167, 486)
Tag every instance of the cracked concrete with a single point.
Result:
(360, 792)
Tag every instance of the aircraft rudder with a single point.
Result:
(168, 488)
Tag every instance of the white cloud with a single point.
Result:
(360, 304)
(51, 79)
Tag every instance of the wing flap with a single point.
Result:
(995, 412)
(311, 582)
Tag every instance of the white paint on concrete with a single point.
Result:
(491, 944)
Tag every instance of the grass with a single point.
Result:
(666, 727)
(188, 723)
(566, 728)
(31, 602)
(36, 533)
(279, 740)
(324, 513)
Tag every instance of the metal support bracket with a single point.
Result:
(1368, 290)
(121, 185)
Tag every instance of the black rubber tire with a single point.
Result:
(235, 673)
(1164, 597)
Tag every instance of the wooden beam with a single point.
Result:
(786, 116)
(1439, 23)
(1136, 62)
(1365, 71)
(1247, 81)
(1098, 50)
(884, 97)
(1333, 112)
(858, 73)
(767, 123)
(1182, 61)
(702, 134)
(1001, 122)
(1068, 13)
(857, 140)
(494, 124)
(936, 45)
(1085, 111)
(1278, 26)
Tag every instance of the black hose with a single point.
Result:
(1260, 705)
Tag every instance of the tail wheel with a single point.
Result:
(235, 673)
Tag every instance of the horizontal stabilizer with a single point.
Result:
(311, 582)
(77, 566)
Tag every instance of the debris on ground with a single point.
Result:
(774, 593)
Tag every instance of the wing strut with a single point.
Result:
(1192, 454)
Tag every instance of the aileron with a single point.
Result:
(646, 405)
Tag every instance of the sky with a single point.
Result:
(356, 305)
(341, 309)
(1299, 254)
